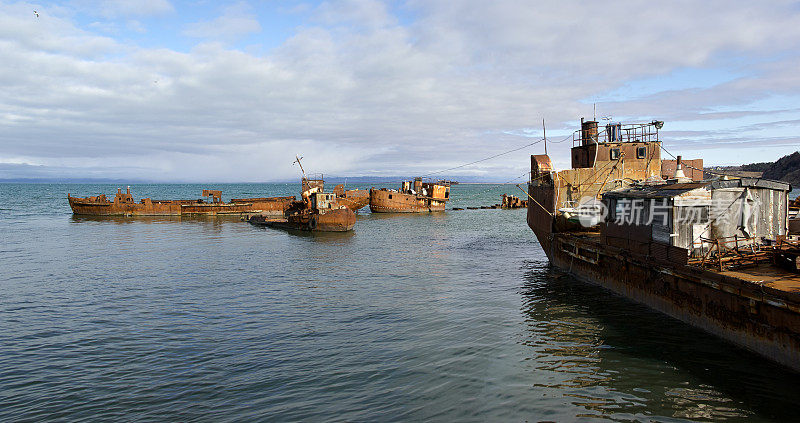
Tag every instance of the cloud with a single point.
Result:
(357, 91)
(236, 21)
(124, 8)
(365, 13)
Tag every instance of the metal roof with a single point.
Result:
(752, 182)
(657, 191)
(672, 190)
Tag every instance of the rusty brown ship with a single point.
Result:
(123, 204)
(714, 253)
(318, 211)
(412, 197)
(354, 199)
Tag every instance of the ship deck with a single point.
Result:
(764, 273)
(767, 275)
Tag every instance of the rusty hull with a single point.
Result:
(385, 201)
(747, 308)
(757, 309)
(300, 218)
(354, 199)
(124, 205)
(512, 202)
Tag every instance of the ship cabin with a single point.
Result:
(433, 190)
(121, 198)
(637, 145)
(684, 218)
(323, 201)
(603, 159)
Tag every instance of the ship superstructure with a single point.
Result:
(715, 253)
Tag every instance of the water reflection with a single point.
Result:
(599, 349)
(435, 216)
(312, 236)
(123, 220)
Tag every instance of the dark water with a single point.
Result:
(446, 317)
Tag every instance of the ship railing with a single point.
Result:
(617, 132)
(314, 177)
(731, 252)
(569, 203)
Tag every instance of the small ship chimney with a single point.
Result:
(679, 169)
(680, 177)
(588, 132)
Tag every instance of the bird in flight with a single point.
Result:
(36, 13)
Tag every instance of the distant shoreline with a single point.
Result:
(487, 183)
(126, 182)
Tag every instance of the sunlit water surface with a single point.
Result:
(448, 317)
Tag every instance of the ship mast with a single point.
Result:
(297, 160)
(544, 134)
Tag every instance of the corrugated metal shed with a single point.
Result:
(752, 182)
(744, 208)
(658, 191)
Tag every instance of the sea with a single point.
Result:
(452, 316)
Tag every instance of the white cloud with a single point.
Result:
(366, 13)
(124, 8)
(236, 21)
(359, 92)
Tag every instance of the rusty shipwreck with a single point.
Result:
(714, 253)
(317, 211)
(413, 197)
(123, 204)
(354, 199)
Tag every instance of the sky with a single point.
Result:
(214, 91)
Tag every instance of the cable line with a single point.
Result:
(483, 159)
(692, 167)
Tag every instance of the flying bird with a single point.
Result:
(36, 13)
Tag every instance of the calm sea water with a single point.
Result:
(444, 317)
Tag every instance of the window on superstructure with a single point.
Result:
(641, 152)
(614, 153)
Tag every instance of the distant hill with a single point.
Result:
(756, 167)
(72, 181)
(786, 169)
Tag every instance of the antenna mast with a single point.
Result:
(544, 134)
(297, 160)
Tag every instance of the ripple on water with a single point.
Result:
(452, 316)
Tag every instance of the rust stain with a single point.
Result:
(512, 202)
(354, 199)
(413, 197)
(757, 307)
(316, 212)
(123, 204)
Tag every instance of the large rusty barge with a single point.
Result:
(714, 253)
(123, 204)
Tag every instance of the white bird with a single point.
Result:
(36, 13)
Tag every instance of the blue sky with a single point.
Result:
(231, 91)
